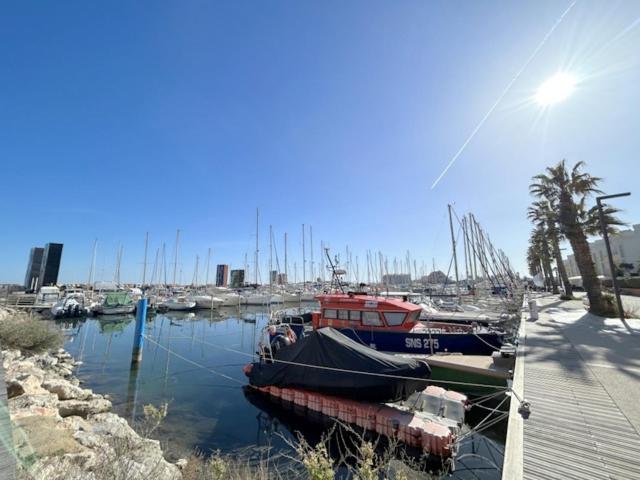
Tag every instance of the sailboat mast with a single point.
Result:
(175, 257)
(311, 248)
(144, 268)
(455, 257)
(286, 271)
(304, 261)
(255, 274)
(195, 275)
(206, 280)
(155, 268)
(270, 258)
(164, 262)
(92, 267)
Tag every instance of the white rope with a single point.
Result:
(476, 429)
(485, 342)
(192, 362)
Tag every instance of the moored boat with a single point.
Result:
(329, 362)
(180, 303)
(394, 326)
(115, 303)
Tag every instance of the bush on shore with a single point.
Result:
(19, 331)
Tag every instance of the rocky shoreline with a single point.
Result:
(61, 430)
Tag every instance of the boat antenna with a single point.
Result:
(334, 272)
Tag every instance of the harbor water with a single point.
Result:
(193, 361)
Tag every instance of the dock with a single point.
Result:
(580, 374)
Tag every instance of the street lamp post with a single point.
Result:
(605, 235)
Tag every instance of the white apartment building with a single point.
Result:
(625, 248)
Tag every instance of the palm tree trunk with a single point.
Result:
(550, 281)
(582, 253)
(547, 265)
(555, 245)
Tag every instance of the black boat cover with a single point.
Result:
(327, 347)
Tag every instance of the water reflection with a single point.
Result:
(193, 361)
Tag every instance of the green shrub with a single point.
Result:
(28, 334)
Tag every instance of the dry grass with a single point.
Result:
(27, 334)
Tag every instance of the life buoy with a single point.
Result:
(291, 335)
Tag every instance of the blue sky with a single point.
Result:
(126, 117)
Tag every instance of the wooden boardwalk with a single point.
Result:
(7, 457)
(576, 428)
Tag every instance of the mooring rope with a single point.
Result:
(204, 367)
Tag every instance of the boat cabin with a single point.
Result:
(360, 312)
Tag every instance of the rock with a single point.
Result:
(24, 383)
(45, 436)
(64, 372)
(11, 355)
(88, 439)
(142, 457)
(181, 463)
(27, 405)
(66, 390)
(82, 408)
(111, 424)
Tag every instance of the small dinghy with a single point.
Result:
(329, 362)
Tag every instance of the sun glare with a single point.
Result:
(555, 89)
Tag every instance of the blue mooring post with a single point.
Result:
(138, 337)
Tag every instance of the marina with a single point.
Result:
(194, 361)
(320, 240)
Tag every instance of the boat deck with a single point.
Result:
(480, 364)
(581, 375)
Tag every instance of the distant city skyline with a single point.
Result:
(119, 120)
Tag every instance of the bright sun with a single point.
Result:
(555, 89)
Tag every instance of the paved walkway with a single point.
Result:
(582, 377)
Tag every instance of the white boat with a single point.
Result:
(205, 301)
(178, 303)
(72, 305)
(288, 297)
(307, 296)
(231, 299)
(277, 298)
(256, 299)
(115, 303)
(47, 297)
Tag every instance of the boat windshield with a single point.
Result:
(117, 298)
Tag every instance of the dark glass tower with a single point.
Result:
(31, 279)
(50, 264)
(222, 274)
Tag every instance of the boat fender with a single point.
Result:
(279, 341)
(524, 409)
(291, 335)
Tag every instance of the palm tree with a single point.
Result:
(543, 215)
(541, 258)
(568, 190)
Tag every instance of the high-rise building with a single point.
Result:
(50, 266)
(237, 278)
(282, 279)
(273, 277)
(31, 279)
(222, 275)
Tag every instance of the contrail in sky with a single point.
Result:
(504, 92)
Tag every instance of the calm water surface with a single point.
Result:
(202, 381)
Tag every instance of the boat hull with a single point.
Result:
(120, 310)
(424, 343)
